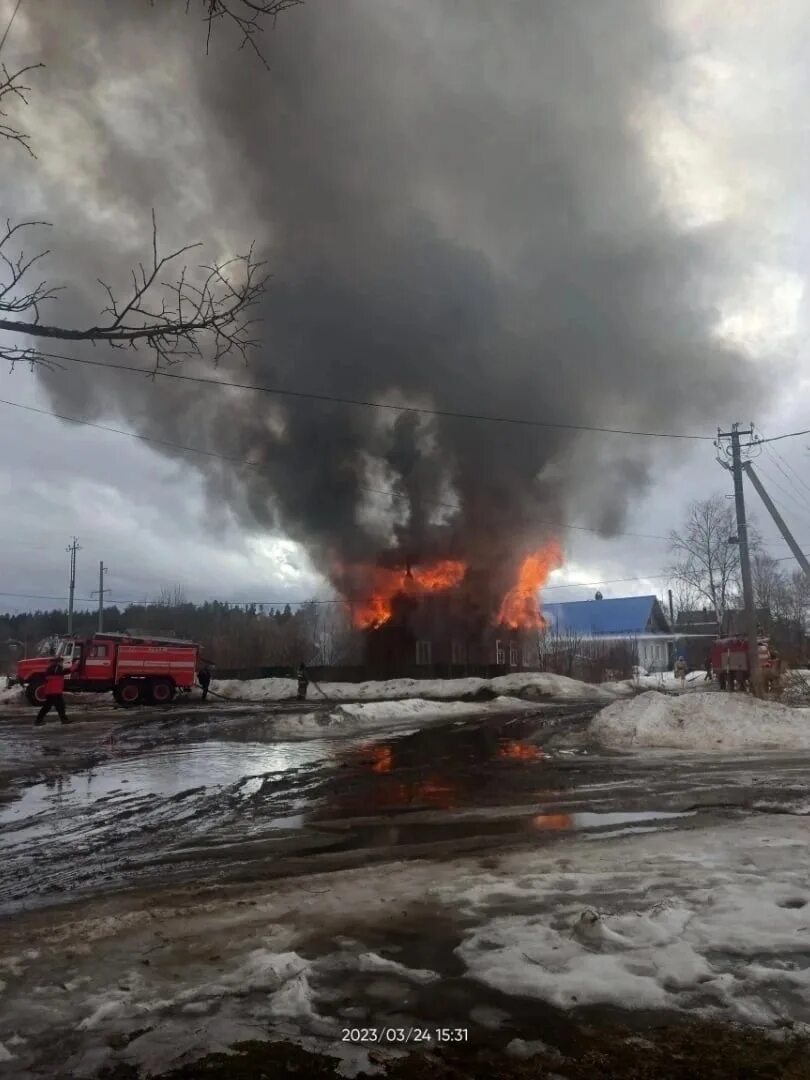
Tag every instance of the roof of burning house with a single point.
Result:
(620, 615)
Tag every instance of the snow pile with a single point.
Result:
(545, 684)
(664, 680)
(10, 695)
(254, 689)
(353, 719)
(702, 721)
(531, 684)
(673, 955)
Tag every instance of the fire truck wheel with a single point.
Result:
(128, 693)
(35, 692)
(161, 692)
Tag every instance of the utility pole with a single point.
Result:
(102, 570)
(750, 614)
(72, 549)
(777, 517)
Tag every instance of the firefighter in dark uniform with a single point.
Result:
(204, 679)
(303, 682)
(54, 692)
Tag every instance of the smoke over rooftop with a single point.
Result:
(460, 211)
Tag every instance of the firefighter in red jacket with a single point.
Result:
(54, 693)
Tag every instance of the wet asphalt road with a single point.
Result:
(220, 794)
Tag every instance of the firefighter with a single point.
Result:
(204, 679)
(708, 676)
(303, 682)
(54, 692)
(680, 670)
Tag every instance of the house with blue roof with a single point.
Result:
(638, 620)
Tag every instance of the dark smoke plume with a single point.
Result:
(459, 212)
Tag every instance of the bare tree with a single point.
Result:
(771, 587)
(200, 313)
(203, 314)
(685, 598)
(248, 16)
(172, 597)
(13, 89)
(706, 563)
(797, 598)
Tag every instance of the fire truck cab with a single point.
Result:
(137, 669)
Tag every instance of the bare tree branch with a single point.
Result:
(706, 564)
(247, 16)
(13, 89)
(207, 314)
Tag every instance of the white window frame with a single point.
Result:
(513, 654)
(423, 653)
(500, 653)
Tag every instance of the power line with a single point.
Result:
(791, 510)
(334, 399)
(313, 600)
(788, 435)
(255, 464)
(9, 24)
(783, 465)
(609, 581)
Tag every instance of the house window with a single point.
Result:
(530, 658)
(513, 654)
(423, 652)
(457, 652)
(500, 655)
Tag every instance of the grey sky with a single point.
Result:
(595, 215)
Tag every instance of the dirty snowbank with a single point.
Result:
(709, 922)
(702, 721)
(10, 695)
(354, 719)
(663, 680)
(529, 684)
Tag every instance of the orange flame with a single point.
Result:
(553, 821)
(521, 607)
(385, 584)
(516, 750)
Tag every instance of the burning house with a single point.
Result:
(445, 618)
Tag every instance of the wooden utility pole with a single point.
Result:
(749, 610)
(72, 548)
(102, 570)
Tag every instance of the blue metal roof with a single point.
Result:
(621, 615)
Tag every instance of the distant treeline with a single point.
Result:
(232, 636)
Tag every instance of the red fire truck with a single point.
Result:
(729, 658)
(138, 669)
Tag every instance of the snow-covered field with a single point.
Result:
(711, 922)
(701, 721)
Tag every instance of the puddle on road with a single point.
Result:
(47, 808)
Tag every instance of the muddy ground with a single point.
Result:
(126, 837)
